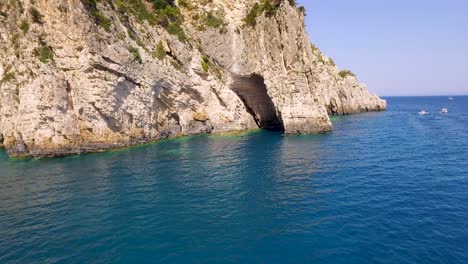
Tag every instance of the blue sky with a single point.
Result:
(396, 47)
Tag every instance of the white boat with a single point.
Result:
(451, 98)
(444, 111)
(423, 112)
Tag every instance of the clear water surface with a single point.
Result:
(386, 187)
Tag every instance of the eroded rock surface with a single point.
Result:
(74, 82)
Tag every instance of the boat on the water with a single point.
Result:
(450, 98)
(423, 112)
(444, 111)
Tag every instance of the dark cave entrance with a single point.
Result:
(253, 92)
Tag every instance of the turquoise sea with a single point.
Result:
(388, 187)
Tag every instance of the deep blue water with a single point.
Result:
(387, 187)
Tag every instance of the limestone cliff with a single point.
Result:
(89, 75)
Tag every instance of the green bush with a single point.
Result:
(24, 26)
(321, 58)
(90, 4)
(135, 54)
(137, 8)
(267, 7)
(205, 62)
(7, 76)
(165, 13)
(160, 52)
(314, 48)
(99, 18)
(210, 20)
(36, 16)
(15, 40)
(185, 4)
(176, 29)
(44, 53)
(346, 73)
(292, 3)
(303, 10)
(254, 12)
(177, 65)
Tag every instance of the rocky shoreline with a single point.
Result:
(85, 76)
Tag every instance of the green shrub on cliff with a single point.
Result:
(205, 62)
(98, 17)
(185, 4)
(209, 19)
(320, 57)
(314, 48)
(36, 16)
(7, 76)
(160, 52)
(346, 73)
(303, 10)
(101, 20)
(213, 21)
(164, 13)
(24, 26)
(178, 31)
(254, 12)
(44, 53)
(136, 8)
(135, 54)
(267, 7)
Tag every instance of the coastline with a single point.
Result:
(102, 148)
(113, 147)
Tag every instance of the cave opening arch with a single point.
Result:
(253, 92)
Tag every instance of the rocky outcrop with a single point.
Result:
(80, 76)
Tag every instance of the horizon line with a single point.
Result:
(421, 95)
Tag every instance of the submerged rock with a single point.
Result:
(82, 76)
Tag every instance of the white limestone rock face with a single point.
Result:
(69, 86)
